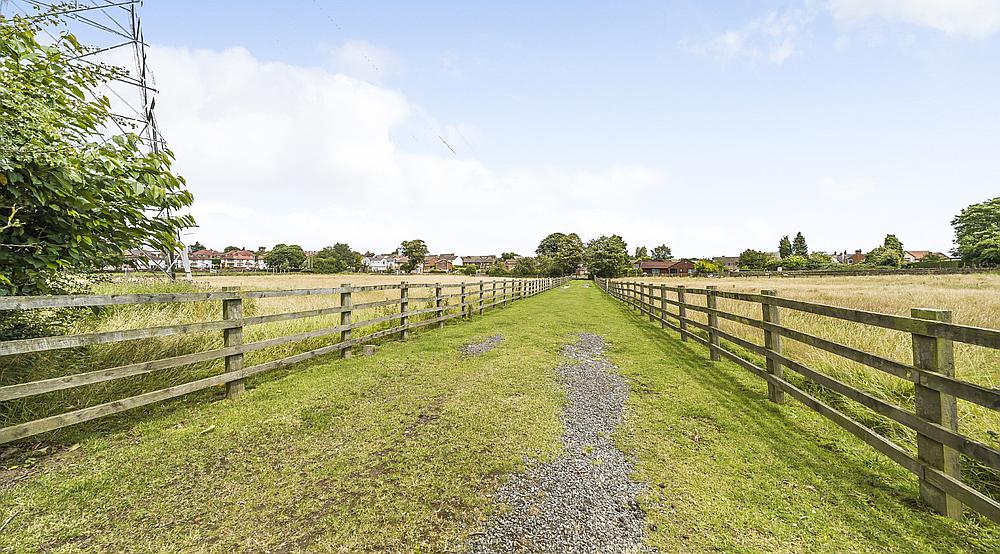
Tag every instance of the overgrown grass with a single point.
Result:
(974, 299)
(46, 365)
(402, 452)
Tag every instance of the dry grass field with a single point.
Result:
(973, 299)
(46, 365)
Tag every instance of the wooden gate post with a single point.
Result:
(481, 285)
(772, 342)
(663, 306)
(404, 306)
(345, 320)
(493, 296)
(233, 309)
(937, 355)
(682, 312)
(439, 304)
(711, 300)
(647, 299)
(462, 308)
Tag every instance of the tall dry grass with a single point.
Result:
(47, 365)
(973, 299)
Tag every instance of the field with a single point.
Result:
(402, 451)
(973, 299)
(16, 369)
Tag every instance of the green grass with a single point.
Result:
(402, 451)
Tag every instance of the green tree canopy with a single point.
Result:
(197, 246)
(508, 256)
(568, 255)
(755, 259)
(977, 232)
(231, 248)
(890, 254)
(526, 266)
(72, 197)
(336, 259)
(285, 257)
(799, 247)
(549, 244)
(662, 252)
(705, 267)
(607, 256)
(641, 253)
(415, 251)
(784, 247)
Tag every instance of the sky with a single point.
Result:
(481, 127)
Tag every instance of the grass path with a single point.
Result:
(402, 452)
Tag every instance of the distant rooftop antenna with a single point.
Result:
(111, 25)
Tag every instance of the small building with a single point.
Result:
(856, 258)
(665, 267)
(242, 260)
(581, 272)
(205, 260)
(729, 263)
(482, 263)
(914, 256)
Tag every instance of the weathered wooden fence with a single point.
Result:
(932, 372)
(473, 298)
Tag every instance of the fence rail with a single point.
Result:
(473, 298)
(932, 372)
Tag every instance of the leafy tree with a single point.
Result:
(784, 247)
(799, 247)
(977, 231)
(792, 262)
(607, 256)
(641, 253)
(336, 259)
(469, 270)
(705, 267)
(285, 257)
(755, 259)
(568, 255)
(549, 244)
(508, 256)
(72, 197)
(231, 249)
(890, 254)
(820, 260)
(497, 270)
(933, 257)
(415, 251)
(197, 246)
(662, 252)
(526, 266)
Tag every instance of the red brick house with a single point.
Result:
(665, 267)
(482, 263)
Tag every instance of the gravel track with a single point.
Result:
(482, 347)
(583, 501)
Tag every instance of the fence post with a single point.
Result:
(439, 304)
(493, 296)
(648, 300)
(345, 320)
(233, 309)
(937, 355)
(772, 342)
(711, 301)
(461, 305)
(404, 306)
(481, 289)
(682, 312)
(663, 306)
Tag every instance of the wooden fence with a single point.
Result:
(932, 372)
(473, 298)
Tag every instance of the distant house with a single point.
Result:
(381, 263)
(581, 271)
(665, 267)
(856, 258)
(510, 264)
(914, 256)
(243, 260)
(441, 262)
(144, 259)
(729, 263)
(481, 263)
(204, 260)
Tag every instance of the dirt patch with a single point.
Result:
(482, 347)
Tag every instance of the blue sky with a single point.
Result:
(709, 126)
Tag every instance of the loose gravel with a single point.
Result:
(479, 348)
(583, 501)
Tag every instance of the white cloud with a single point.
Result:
(974, 18)
(280, 153)
(771, 38)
